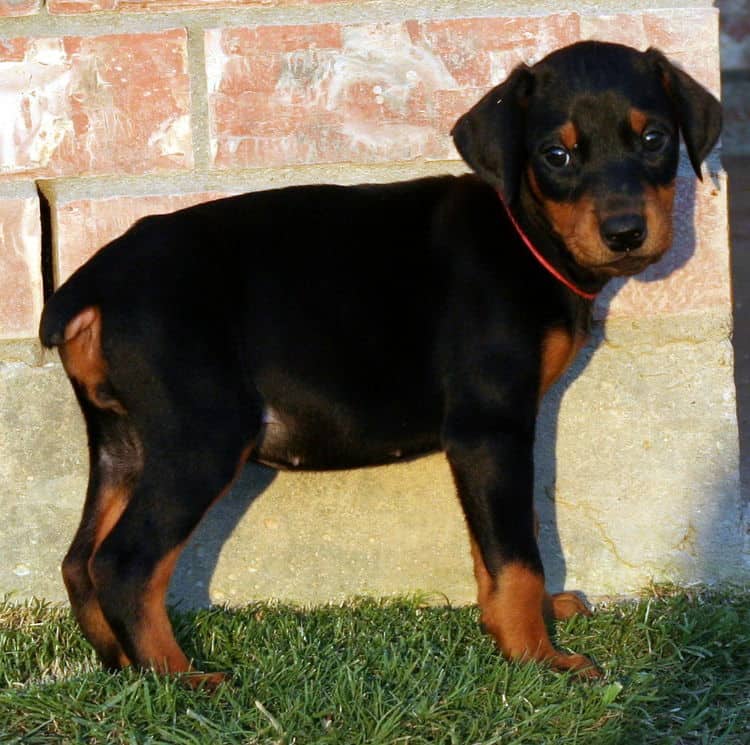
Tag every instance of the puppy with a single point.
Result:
(325, 327)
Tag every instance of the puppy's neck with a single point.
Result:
(534, 226)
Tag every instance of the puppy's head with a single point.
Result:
(589, 139)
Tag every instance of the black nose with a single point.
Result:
(623, 232)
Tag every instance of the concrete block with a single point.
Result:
(637, 480)
(43, 471)
(644, 481)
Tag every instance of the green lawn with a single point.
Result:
(677, 670)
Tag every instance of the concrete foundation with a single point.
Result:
(637, 480)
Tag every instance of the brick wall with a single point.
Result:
(113, 109)
(117, 108)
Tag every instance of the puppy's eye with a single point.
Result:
(557, 156)
(653, 140)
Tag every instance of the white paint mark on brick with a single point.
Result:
(386, 52)
(171, 136)
(217, 61)
(36, 87)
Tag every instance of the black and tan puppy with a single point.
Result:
(324, 327)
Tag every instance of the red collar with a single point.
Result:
(538, 256)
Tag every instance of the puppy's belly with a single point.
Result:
(314, 441)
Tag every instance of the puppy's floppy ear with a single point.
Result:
(698, 112)
(490, 136)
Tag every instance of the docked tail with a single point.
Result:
(63, 307)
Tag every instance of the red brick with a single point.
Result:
(93, 105)
(391, 91)
(80, 6)
(694, 275)
(19, 7)
(366, 93)
(82, 226)
(479, 52)
(88, 6)
(689, 36)
(20, 267)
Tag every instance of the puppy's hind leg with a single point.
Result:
(190, 461)
(114, 466)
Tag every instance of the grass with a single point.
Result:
(677, 670)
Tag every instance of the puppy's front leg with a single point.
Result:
(492, 464)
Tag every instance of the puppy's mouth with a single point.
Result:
(625, 263)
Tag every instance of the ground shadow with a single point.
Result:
(190, 586)
(545, 459)
(738, 171)
(191, 582)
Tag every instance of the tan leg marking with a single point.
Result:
(114, 500)
(485, 583)
(154, 637)
(85, 605)
(512, 612)
(97, 630)
(564, 605)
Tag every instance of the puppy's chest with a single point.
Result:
(560, 346)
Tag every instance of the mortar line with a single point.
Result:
(45, 23)
(200, 124)
(46, 258)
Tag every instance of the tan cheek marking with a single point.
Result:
(561, 216)
(577, 224)
(658, 207)
(663, 196)
(567, 218)
(559, 349)
(638, 121)
(574, 222)
(534, 184)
